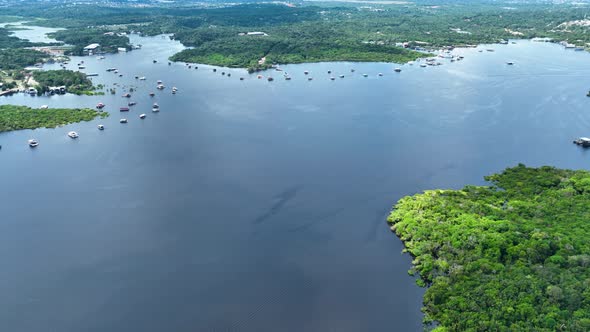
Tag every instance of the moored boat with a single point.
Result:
(142, 116)
(33, 143)
(100, 106)
(124, 109)
(100, 127)
(123, 121)
(73, 134)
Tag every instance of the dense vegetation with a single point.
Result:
(514, 256)
(22, 117)
(75, 82)
(18, 58)
(81, 37)
(319, 33)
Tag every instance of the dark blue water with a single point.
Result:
(260, 206)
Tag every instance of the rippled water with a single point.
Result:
(260, 206)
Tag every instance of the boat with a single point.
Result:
(142, 78)
(152, 94)
(259, 76)
(73, 134)
(352, 70)
(270, 79)
(136, 77)
(582, 141)
(332, 78)
(310, 78)
(44, 107)
(156, 105)
(160, 87)
(142, 116)
(127, 95)
(124, 109)
(329, 72)
(287, 78)
(241, 78)
(174, 88)
(397, 70)
(81, 67)
(306, 72)
(214, 69)
(100, 127)
(123, 121)
(154, 61)
(490, 50)
(380, 74)
(341, 76)
(32, 91)
(579, 49)
(228, 74)
(423, 65)
(100, 106)
(155, 110)
(116, 71)
(33, 143)
(510, 63)
(159, 82)
(131, 103)
(365, 75)
(223, 73)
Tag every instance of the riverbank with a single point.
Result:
(22, 117)
(513, 255)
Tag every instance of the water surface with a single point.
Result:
(260, 206)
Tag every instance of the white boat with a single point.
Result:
(142, 116)
(44, 107)
(100, 127)
(160, 87)
(155, 110)
(73, 134)
(123, 121)
(365, 75)
(380, 74)
(159, 82)
(33, 143)
(142, 78)
(156, 105)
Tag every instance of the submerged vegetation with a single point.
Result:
(22, 117)
(514, 256)
(75, 82)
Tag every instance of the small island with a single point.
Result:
(21, 117)
(513, 256)
(74, 81)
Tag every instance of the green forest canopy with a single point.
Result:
(514, 256)
(23, 117)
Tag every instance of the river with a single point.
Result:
(260, 206)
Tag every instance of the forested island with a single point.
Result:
(74, 81)
(22, 117)
(513, 256)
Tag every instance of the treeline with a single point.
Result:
(18, 58)
(513, 256)
(80, 38)
(22, 117)
(75, 82)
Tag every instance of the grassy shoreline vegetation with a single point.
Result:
(513, 256)
(22, 117)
